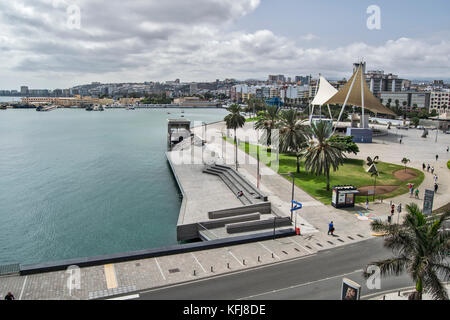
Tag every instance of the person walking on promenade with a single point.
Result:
(331, 228)
(432, 170)
(417, 193)
(392, 209)
(447, 148)
(435, 178)
(411, 191)
(435, 187)
(437, 156)
(423, 166)
(428, 168)
(367, 203)
(10, 296)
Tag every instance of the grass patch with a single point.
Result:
(353, 172)
(254, 119)
(448, 164)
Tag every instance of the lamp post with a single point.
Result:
(290, 174)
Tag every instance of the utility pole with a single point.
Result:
(293, 188)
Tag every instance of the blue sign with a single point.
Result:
(297, 206)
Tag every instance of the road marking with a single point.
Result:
(231, 253)
(110, 276)
(227, 274)
(299, 285)
(160, 270)
(23, 287)
(133, 296)
(269, 250)
(198, 262)
(302, 246)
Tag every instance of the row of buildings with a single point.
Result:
(389, 88)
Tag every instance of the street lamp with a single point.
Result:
(290, 174)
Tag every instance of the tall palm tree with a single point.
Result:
(233, 121)
(267, 123)
(293, 134)
(321, 154)
(405, 162)
(420, 246)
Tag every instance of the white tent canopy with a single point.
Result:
(326, 92)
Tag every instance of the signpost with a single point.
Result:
(428, 202)
(296, 206)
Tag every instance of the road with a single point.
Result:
(317, 277)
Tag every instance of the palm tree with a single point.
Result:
(321, 155)
(405, 162)
(293, 134)
(420, 245)
(267, 123)
(235, 120)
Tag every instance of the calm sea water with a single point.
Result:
(75, 183)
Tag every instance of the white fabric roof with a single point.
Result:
(326, 92)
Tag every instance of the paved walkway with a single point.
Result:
(107, 280)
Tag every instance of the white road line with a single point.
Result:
(300, 285)
(309, 251)
(231, 253)
(198, 262)
(23, 287)
(160, 270)
(269, 250)
(133, 296)
(227, 274)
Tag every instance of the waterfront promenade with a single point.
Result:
(105, 281)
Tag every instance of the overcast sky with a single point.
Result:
(202, 40)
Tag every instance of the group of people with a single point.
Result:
(431, 169)
(412, 191)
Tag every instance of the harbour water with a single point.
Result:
(75, 183)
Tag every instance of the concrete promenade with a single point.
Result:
(119, 278)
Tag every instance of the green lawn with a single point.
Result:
(448, 164)
(351, 173)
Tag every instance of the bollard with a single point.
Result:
(195, 273)
(212, 270)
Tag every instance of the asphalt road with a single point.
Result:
(317, 277)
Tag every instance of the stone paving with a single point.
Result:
(313, 220)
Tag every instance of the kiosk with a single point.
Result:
(344, 196)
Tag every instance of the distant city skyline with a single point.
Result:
(203, 40)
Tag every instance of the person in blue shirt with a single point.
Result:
(331, 228)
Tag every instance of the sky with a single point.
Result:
(62, 43)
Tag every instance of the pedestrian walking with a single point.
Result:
(367, 203)
(411, 192)
(428, 168)
(423, 166)
(447, 148)
(10, 296)
(417, 193)
(392, 209)
(389, 219)
(436, 187)
(331, 228)
(435, 178)
(437, 156)
(432, 170)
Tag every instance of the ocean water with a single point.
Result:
(75, 183)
